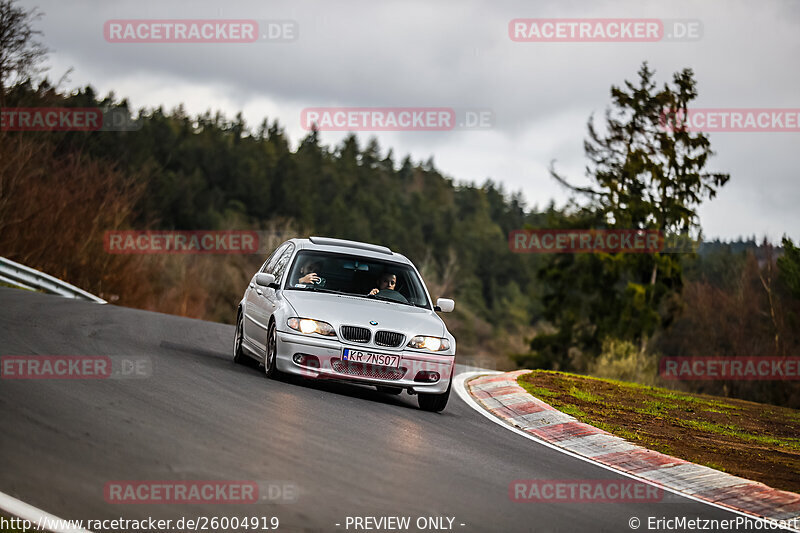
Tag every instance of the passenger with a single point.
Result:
(309, 272)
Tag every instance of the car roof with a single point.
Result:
(364, 249)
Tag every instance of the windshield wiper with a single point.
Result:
(313, 288)
(393, 300)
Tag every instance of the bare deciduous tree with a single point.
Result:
(20, 53)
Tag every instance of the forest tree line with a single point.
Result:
(601, 314)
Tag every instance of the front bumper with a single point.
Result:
(329, 354)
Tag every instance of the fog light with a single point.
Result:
(426, 376)
(303, 359)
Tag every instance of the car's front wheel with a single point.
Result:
(434, 402)
(270, 367)
(239, 356)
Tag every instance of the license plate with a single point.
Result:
(358, 356)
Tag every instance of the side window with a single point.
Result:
(269, 266)
(264, 266)
(283, 262)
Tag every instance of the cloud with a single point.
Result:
(458, 54)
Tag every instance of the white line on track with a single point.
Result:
(25, 511)
(460, 385)
(20, 509)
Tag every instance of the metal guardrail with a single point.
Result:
(19, 275)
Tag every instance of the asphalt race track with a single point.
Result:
(346, 450)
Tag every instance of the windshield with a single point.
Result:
(357, 276)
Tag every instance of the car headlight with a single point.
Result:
(434, 344)
(309, 326)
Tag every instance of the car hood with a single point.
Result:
(339, 309)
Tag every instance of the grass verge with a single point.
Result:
(752, 440)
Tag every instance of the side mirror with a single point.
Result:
(445, 305)
(265, 280)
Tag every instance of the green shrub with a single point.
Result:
(622, 360)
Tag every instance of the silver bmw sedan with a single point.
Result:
(327, 308)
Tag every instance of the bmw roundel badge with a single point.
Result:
(373, 323)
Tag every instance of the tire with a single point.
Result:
(239, 357)
(434, 402)
(271, 352)
(388, 390)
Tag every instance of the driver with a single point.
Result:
(387, 281)
(386, 288)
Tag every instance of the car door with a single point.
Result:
(272, 298)
(255, 307)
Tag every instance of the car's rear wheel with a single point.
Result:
(388, 390)
(434, 402)
(270, 367)
(239, 356)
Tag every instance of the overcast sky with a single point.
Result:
(458, 54)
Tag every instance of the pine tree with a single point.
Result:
(645, 174)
